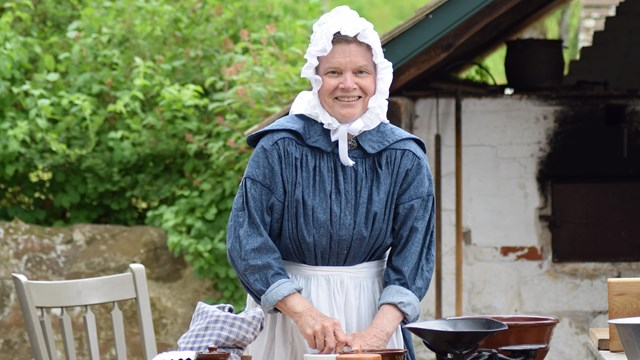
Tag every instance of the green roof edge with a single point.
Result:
(435, 24)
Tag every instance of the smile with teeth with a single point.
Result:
(348, 98)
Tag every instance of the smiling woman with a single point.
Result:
(314, 224)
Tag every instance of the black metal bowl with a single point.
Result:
(455, 336)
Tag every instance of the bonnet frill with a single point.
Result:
(346, 21)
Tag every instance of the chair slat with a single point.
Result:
(118, 332)
(92, 333)
(66, 329)
(83, 291)
(47, 330)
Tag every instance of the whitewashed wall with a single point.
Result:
(503, 140)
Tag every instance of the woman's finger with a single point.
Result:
(320, 342)
(329, 343)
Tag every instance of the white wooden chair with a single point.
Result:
(39, 301)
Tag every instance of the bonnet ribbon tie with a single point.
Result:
(341, 134)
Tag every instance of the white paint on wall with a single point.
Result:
(503, 141)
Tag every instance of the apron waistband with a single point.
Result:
(367, 269)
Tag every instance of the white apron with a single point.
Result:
(347, 293)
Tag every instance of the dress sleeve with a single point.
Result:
(411, 259)
(254, 223)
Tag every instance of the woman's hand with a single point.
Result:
(378, 333)
(321, 332)
(369, 338)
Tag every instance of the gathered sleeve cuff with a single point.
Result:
(404, 299)
(276, 292)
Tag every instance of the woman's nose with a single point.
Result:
(348, 82)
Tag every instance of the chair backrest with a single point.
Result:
(42, 300)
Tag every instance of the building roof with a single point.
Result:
(450, 34)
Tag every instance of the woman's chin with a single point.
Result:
(347, 118)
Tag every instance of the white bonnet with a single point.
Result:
(348, 22)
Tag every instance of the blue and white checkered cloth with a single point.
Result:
(219, 325)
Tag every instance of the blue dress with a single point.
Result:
(297, 202)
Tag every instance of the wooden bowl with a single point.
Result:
(385, 354)
(358, 356)
(390, 354)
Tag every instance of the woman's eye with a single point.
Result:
(362, 72)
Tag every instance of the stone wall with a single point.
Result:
(80, 251)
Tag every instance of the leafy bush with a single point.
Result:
(132, 112)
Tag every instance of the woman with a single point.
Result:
(335, 242)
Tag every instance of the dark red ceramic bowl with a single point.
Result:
(522, 330)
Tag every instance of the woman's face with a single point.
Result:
(348, 80)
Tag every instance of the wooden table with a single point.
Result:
(606, 354)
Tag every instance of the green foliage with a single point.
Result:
(130, 112)
(134, 111)
(382, 13)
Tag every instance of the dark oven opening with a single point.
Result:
(592, 172)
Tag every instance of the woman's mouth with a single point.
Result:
(348, 98)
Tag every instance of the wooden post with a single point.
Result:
(438, 189)
(459, 244)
